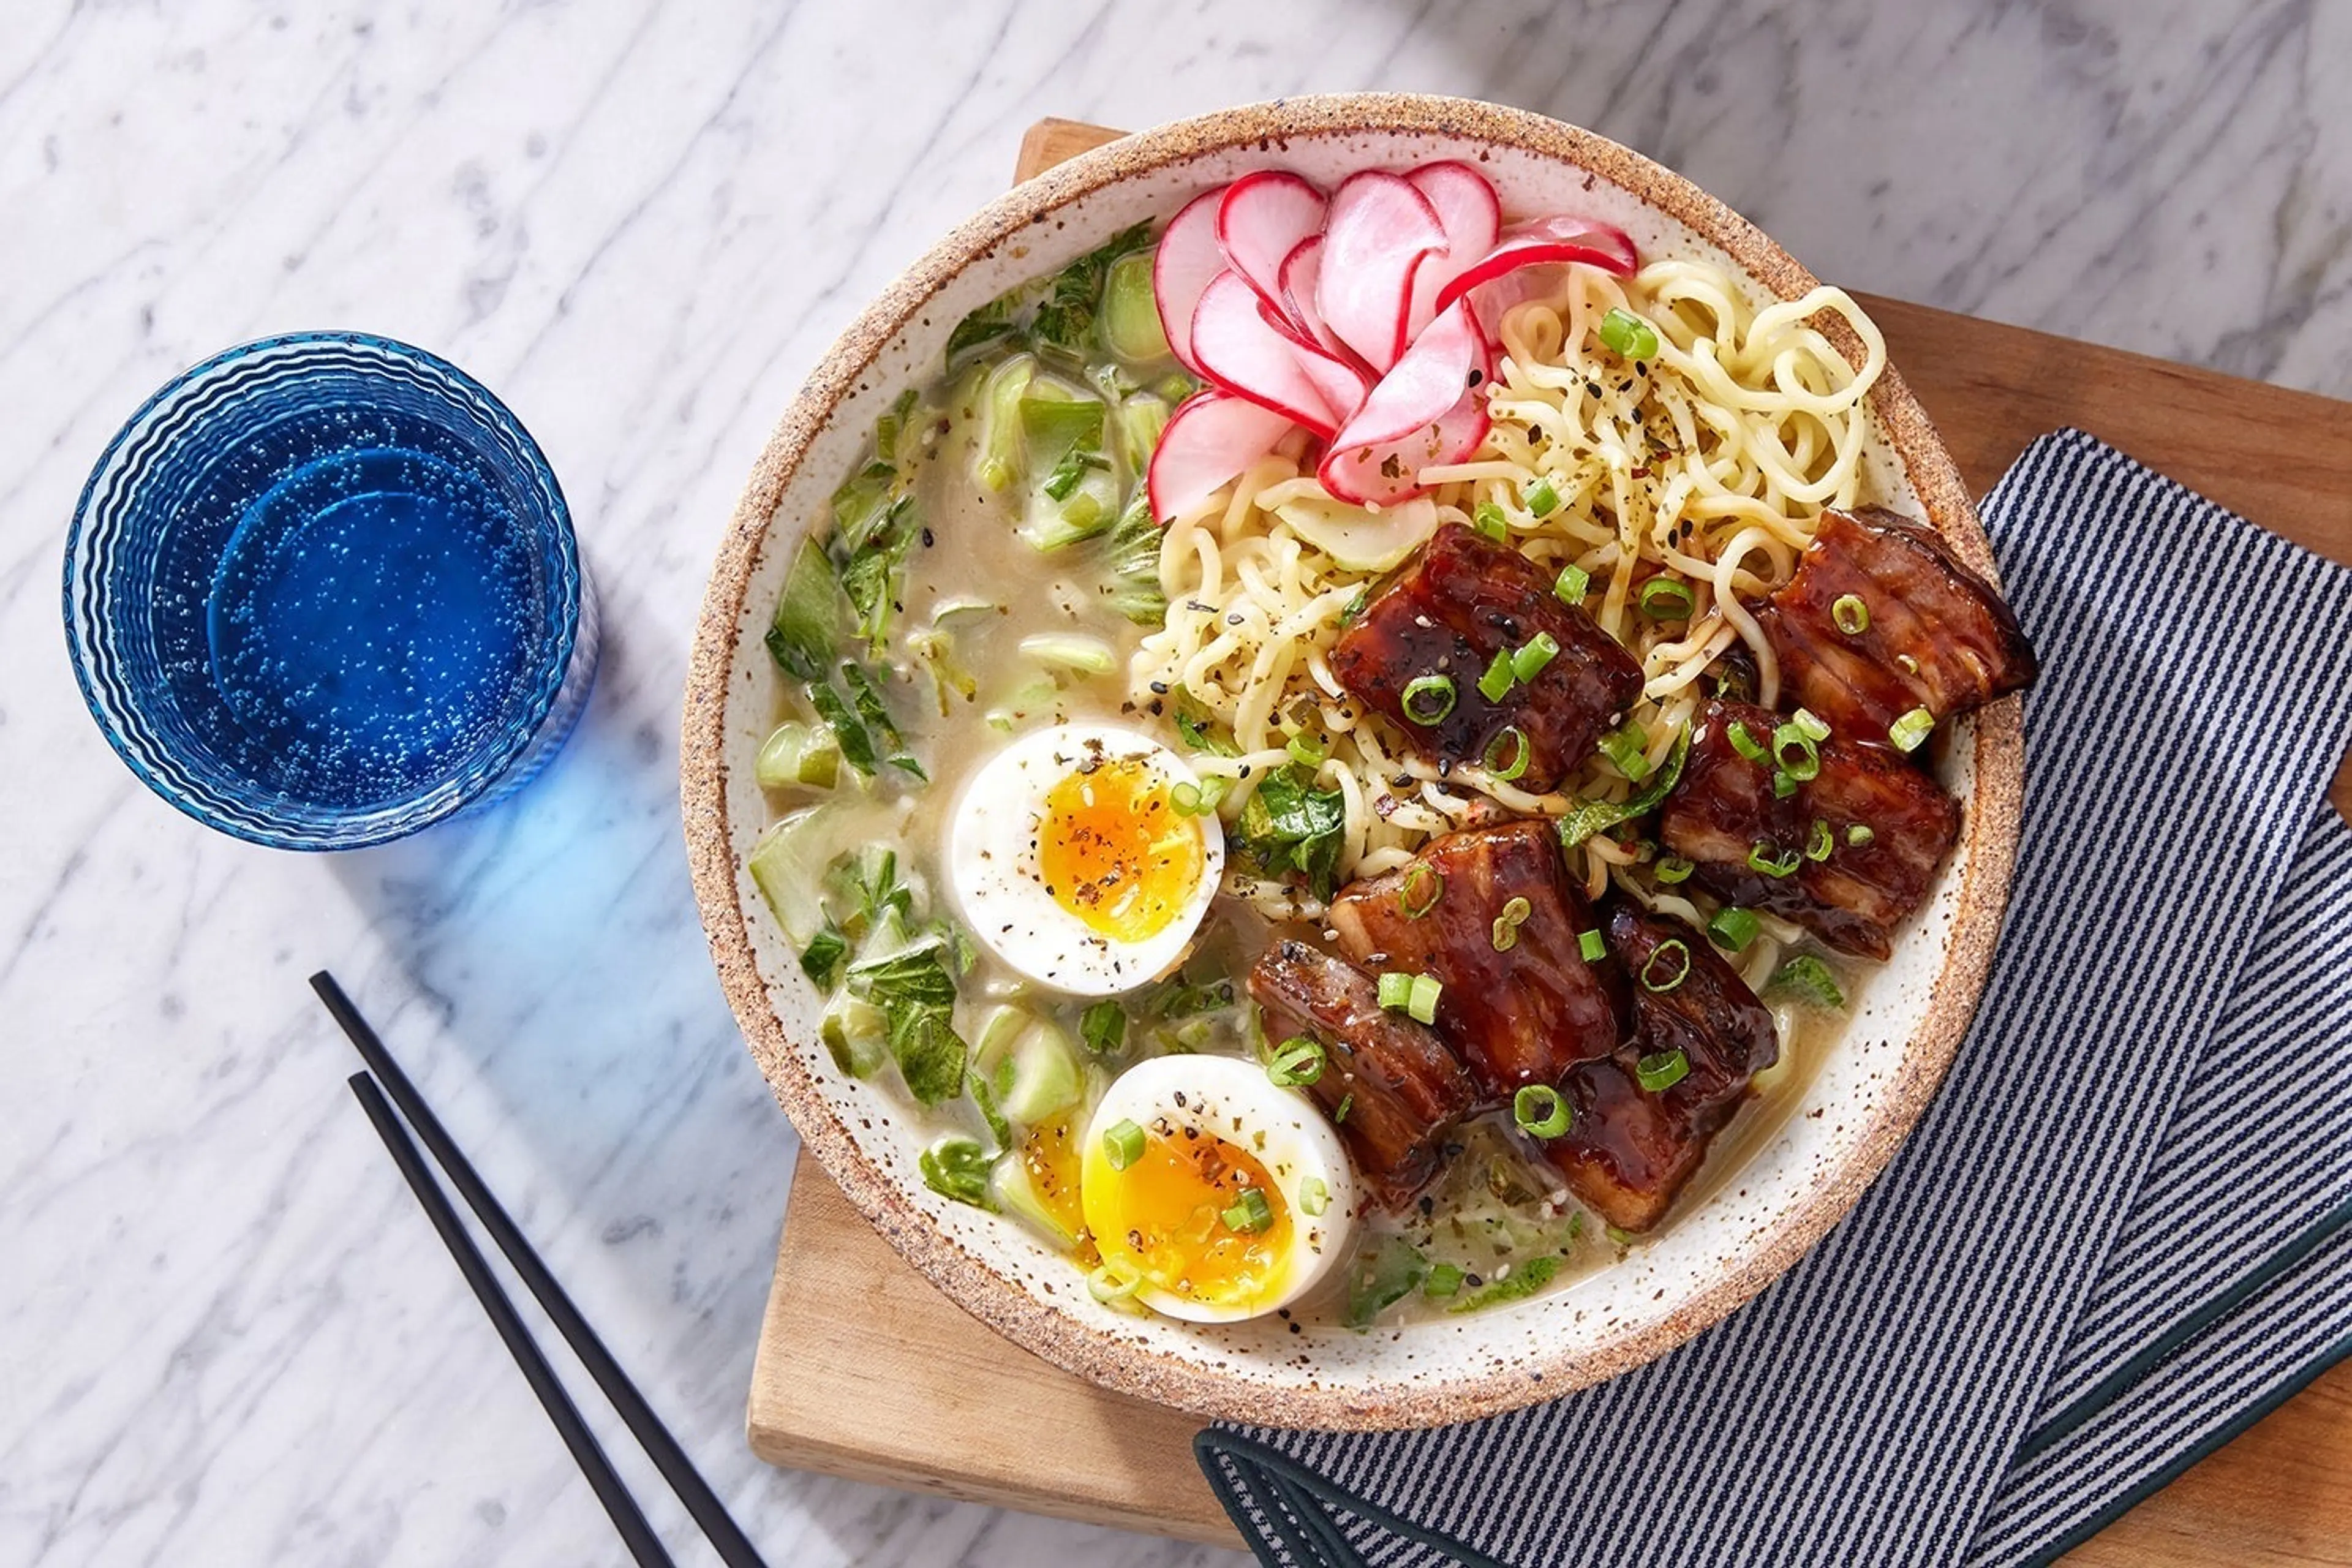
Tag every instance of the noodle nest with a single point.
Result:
(1708, 465)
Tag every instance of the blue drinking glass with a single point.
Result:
(323, 590)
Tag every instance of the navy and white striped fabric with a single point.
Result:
(1960, 1370)
(2258, 1161)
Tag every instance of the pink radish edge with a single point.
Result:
(1545, 240)
(1301, 270)
(1188, 257)
(1431, 408)
(1470, 212)
(1261, 219)
(1378, 229)
(1244, 350)
(1212, 436)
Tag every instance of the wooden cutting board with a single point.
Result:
(864, 1370)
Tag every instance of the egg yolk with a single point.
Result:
(1165, 1216)
(1050, 1157)
(1114, 852)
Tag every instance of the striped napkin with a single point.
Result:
(2119, 1233)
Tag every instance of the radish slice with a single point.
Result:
(1378, 229)
(1343, 386)
(1428, 409)
(1302, 269)
(1243, 351)
(1546, 239)
(1187, 258)
(1492, 301)
(1471, 215)
(1337, 374)
(1212, 436)
(1260, 221)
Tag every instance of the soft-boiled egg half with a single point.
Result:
(1073, 862)
(1223, 1194)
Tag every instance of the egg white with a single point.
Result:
(993, 864)
(1234, 1101)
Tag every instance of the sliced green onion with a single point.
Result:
(1784, 785)
(1396, 991)
(1808, 725)
(1628, 335)
(1819, 844)
(1308, 750)
(1418, 894)
(1542, 498)
(1123, 1144)
(1760, 857)
(1733, 927)
(1908, 731)
(1540, 1111)
(1664, 599)
(1111, 1284)
(1850, 613)
(1339, 1116)
(1592, 945)
(1798, 753)
(1629, 748)
(1496, 681)
(1859, 835)
(1517, 738)
(1676, 956)
(1590, 816)
(1569, 587)
(1428, 699)
(1444, 1280)
(1506, 933)
(1663, 1070)
(1102, 1027)
(1314, 1197)
(1536, 652)
(1674, 868)
(1744, 743)
(1249, 1214)
(1489, 521)
(1298, 1063)
(1808, 980)
(1421, 1001)
(1192, 799)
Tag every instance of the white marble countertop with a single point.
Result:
(226, 1333)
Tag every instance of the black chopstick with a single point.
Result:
(636, 1534)
(734, 1548)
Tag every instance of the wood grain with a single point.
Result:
(864, 1370)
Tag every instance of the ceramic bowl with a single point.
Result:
(1730, 1237)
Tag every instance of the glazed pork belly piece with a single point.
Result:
(1882, 620)
(1629, 1150)
(1883, 827)
(1465, 600)
(1522, 1015)
(1402, 1090)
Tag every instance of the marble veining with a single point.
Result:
(225, 1334)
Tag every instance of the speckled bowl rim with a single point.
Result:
(1992, 829)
